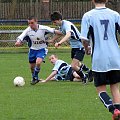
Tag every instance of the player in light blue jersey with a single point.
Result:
(100, 25)
(61, 70)
(72, 34)
(35, 36)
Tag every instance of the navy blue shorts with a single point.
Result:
(106, 78)
(77, 53)
(34, 54)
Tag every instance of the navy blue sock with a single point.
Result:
(84, 67)
(117, 106)
(107, 101)
(81, 74)
(36, 71)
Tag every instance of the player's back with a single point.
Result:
(103, 27)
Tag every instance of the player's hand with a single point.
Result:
(17, 44)
(88, 50)
(43, 81)
(57, 44)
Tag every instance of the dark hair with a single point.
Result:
(100, 1)
(32, 17)
(56, 16)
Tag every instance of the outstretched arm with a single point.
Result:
(65, 38)
(54, 38)
(18, 43)
(50, 76)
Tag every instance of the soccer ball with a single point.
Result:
(19, 81)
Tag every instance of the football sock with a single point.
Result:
(117, 106)
(81, 74)
(36, 71)
(84, 67)
(107, 101)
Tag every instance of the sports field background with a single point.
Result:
(46, 101)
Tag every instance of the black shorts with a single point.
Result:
(106, 78)
(70, 74)
(77, 53)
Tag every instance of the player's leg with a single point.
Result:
(88, 71)
(32, 67)
(77, 56)
(116, 100)
(116, 95)
(32, 61)
(37, 67)
(76, 75)
(105, 98)
(100, 81)
(40, 55)
(75, 66)
(114, 87)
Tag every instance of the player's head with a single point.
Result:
(56, 18)
(53, 58)
(32, 21)
(100, 1)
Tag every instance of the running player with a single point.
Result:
(72, 34)
(100, 25)
(35, 36)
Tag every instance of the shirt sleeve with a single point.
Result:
(49, 29)
(85, 27)
(56, 67)
(68, 27)
(23, 35)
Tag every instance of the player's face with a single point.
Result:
(52, 59)
(57, 22)
(33, 24)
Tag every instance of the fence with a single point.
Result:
(15, 12)
(71, 9)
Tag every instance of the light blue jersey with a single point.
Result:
(101, 25)
(62, 69)
(75, 41)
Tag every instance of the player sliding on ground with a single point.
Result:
(35, 36)
(101, 26)
(61, 70)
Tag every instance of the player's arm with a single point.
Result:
(65, 38)
(58, 32)
(50, 76)
(87, 47)
(19, 40)
(84, 34)
(54, 38)
(18, 43)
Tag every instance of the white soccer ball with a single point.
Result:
(19, 81)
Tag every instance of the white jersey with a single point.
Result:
(36, 39)
(102, 25)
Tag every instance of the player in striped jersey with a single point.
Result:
(35, 36)
(72, 34)
(100, 25)
(61, 70)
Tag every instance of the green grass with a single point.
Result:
(46, 101)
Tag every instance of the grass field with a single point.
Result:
(46, 101)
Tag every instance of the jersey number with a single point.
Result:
(105, 23)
